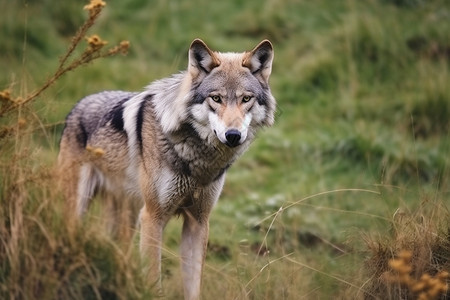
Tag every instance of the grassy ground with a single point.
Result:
(355, 169)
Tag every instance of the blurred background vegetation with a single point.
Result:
(361, 142)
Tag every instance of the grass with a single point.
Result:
(355, 170)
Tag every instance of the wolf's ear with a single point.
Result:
(259, 60)
(201, 59)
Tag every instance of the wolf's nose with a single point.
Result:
(233, 137)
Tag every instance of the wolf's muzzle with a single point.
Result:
(233, 137)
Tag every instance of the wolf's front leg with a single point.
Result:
(193, 250)
(150, 245)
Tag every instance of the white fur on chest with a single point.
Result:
(172, 188)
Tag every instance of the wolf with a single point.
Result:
(168, 147)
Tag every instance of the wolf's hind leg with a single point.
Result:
(68, 177)
(121, 216)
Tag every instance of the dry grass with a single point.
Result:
(94, 51)
(412, 263)
(41, 255)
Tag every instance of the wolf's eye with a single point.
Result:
(216, 98)
(246, 99)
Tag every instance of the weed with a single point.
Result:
(427, 287)
(41, 255)
(91, 53)
(414, 263)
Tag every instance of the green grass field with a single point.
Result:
(355, 169)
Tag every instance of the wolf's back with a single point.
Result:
(94, 111)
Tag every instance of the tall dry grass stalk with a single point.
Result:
(41, 256)
(94, 50)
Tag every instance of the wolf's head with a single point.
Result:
(230, 92)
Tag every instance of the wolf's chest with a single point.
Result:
(174, 189)
(200, 163)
